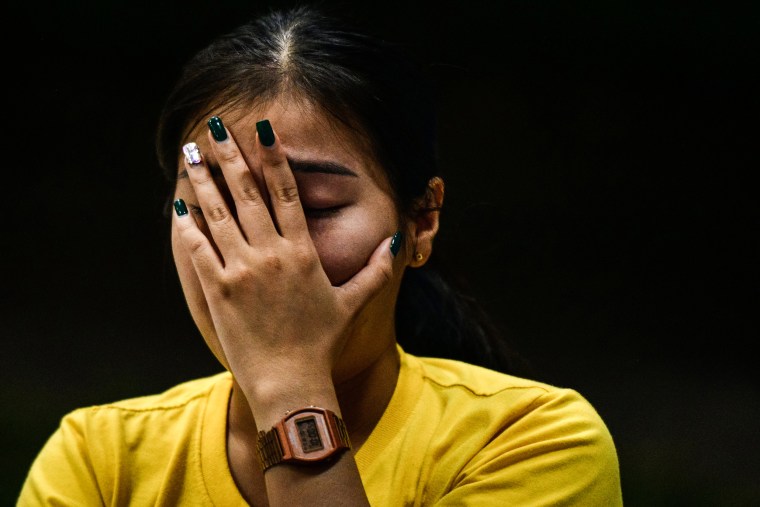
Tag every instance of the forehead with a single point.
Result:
(306, 131)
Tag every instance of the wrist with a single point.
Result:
(273, 398)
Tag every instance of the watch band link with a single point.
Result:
(270, 450)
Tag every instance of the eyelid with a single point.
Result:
(325, 212)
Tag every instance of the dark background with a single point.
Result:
(598, 160)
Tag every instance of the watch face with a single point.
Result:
(309, 436)
(308, 433)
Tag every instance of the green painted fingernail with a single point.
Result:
(396, 243)
(180, 208)
(217, 129)
(266, 134)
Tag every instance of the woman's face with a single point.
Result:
(345, 196)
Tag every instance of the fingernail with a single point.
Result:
(180, 208)
(266, 134)
(192, 153)
(217, 129)
(396, 243)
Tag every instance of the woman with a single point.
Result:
(306, 205)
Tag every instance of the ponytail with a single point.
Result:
(436, 318)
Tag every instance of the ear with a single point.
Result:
(423, 225)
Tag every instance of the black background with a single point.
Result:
(598, 159)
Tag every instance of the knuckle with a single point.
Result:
(272, 262)
(250, 195)
(196, 245)
(385, 273)
(201, 177)
(218, 213)
(227, 155)
(287, 194)
(223, 289)
(237, 277)
(304, 258)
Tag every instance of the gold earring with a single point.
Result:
(418, 256)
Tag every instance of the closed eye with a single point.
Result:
(318, 213)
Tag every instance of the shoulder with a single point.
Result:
(503, 404)
(512, 410)
(450, 378)
(177, 396)
(186, 399)
(129, 447)
(508, 429)
(480, 381)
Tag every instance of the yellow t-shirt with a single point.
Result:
(452, 434)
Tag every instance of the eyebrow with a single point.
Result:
(297, 166)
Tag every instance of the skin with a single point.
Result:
(269, 231)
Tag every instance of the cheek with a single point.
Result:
(191, 285)
(187, 276)
(196, 301)
(345, 244)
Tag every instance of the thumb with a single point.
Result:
(365, 284)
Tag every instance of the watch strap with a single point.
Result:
(269, 447)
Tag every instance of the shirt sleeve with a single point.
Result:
(62, 474)
(559, 453)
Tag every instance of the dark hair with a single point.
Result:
(374, 88)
